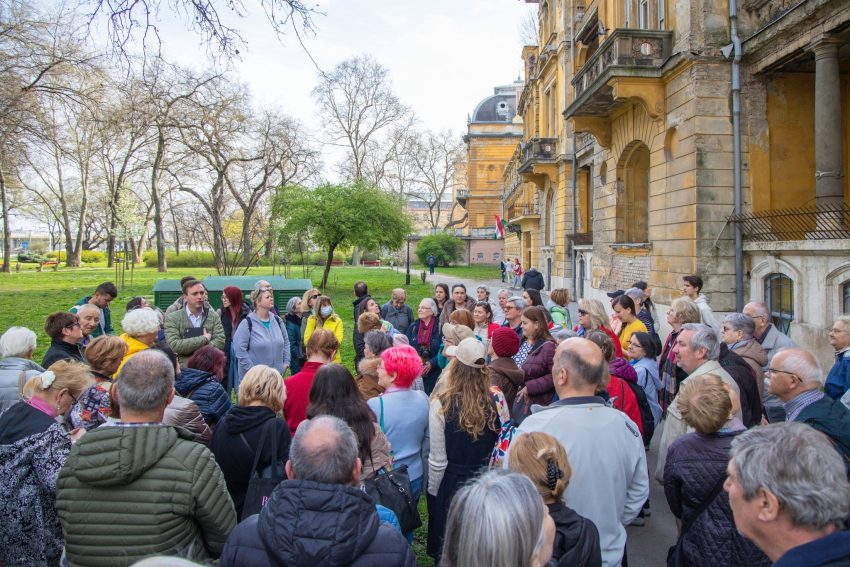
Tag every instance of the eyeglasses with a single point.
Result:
(582, 312)
(317, 296)
(72, 325)
(777, 371)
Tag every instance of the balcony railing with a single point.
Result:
(582, 238)
(626, 53)
(821, 222)
(538, 150)
(523, 210)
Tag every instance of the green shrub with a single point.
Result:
(58, 255)
(92, 256)
(186, 259)
(29, 258)
(444, 247)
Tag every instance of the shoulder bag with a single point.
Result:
(391, 488)
(674, 554)
(263, 482)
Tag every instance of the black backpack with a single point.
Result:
(648, 421)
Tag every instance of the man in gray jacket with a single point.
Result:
(193, 326)
(771, 340)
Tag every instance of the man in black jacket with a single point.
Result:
(320, 516)
(532, 279)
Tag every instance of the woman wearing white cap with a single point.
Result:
(464, 426)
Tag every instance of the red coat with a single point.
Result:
(625, 401)
(298, 395)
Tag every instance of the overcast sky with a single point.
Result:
(444, 56)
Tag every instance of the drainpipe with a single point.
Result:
(736, 151)
(573, 256)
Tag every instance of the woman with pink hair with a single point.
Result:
(402, 412)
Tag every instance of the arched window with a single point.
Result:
(550, 219)
(779, 295)
(845, 294)
(633, 205)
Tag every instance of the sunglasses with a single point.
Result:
(582, 312)
(317, 296)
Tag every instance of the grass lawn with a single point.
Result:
(26, 298)
(474, 272)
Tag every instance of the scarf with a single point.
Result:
(423, 335)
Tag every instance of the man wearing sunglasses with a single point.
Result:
(65, 334)
(796, 378)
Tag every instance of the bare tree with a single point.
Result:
(434, 158)
(528, 28)
(357, 100)
(131, 20)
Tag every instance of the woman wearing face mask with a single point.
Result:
(324, 318)
(34, 445)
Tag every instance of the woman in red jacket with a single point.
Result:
(321, 349)
(621, 371)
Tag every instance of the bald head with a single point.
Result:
(801, 363)
(759, 313)
(577, 368)
(89, 318)
(324, 450)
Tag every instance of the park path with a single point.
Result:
(647, 545)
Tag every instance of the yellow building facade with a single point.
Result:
(492, 134)
(627, 166)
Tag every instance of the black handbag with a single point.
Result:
(391, 489)
(674, 553)
(263, 482)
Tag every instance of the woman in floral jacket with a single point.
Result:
(94, 407)
(33, 447)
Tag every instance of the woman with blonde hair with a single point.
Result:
(238, 435)
(34, 445)
(464, 425)
(104, 354)
(682, 310)
(543, 459)
(695, 471)
(325, 318)
(308, 302)
(592, 317)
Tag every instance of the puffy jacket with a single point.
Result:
(33, 447)
(234, 444)
(185, 508)
(538, 372)
(310, 523)
(133, 346)
(296, 345)
(204, 389)
(695, 463)
(177, 324)
(11, 368)
(576, 538)
(184, 413)
(532, 279)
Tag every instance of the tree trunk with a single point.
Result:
(7, 232)
(247, 253)
(161, 264)
(176, 231)
(355, 256)
(328, 266)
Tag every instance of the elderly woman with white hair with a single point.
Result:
(16, 346)
(738, 334)
(141, 328)
(498, 520)
(426, 336)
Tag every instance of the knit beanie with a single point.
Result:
(505, 342)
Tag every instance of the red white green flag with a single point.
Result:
(500, 227)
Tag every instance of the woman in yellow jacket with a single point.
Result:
(625, 308)
(324, 318)
(140, 327)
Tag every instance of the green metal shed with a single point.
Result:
(166, 292)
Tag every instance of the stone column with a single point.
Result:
(829, 175)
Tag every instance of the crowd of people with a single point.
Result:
(237, 435)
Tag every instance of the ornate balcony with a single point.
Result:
(538, 159)
(582, 238)
(627, 65)
(526, 215)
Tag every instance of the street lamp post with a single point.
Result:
(407, 277)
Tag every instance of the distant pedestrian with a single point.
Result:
(502, 270)
(517, 274)
(432, 261)
(532, 279)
